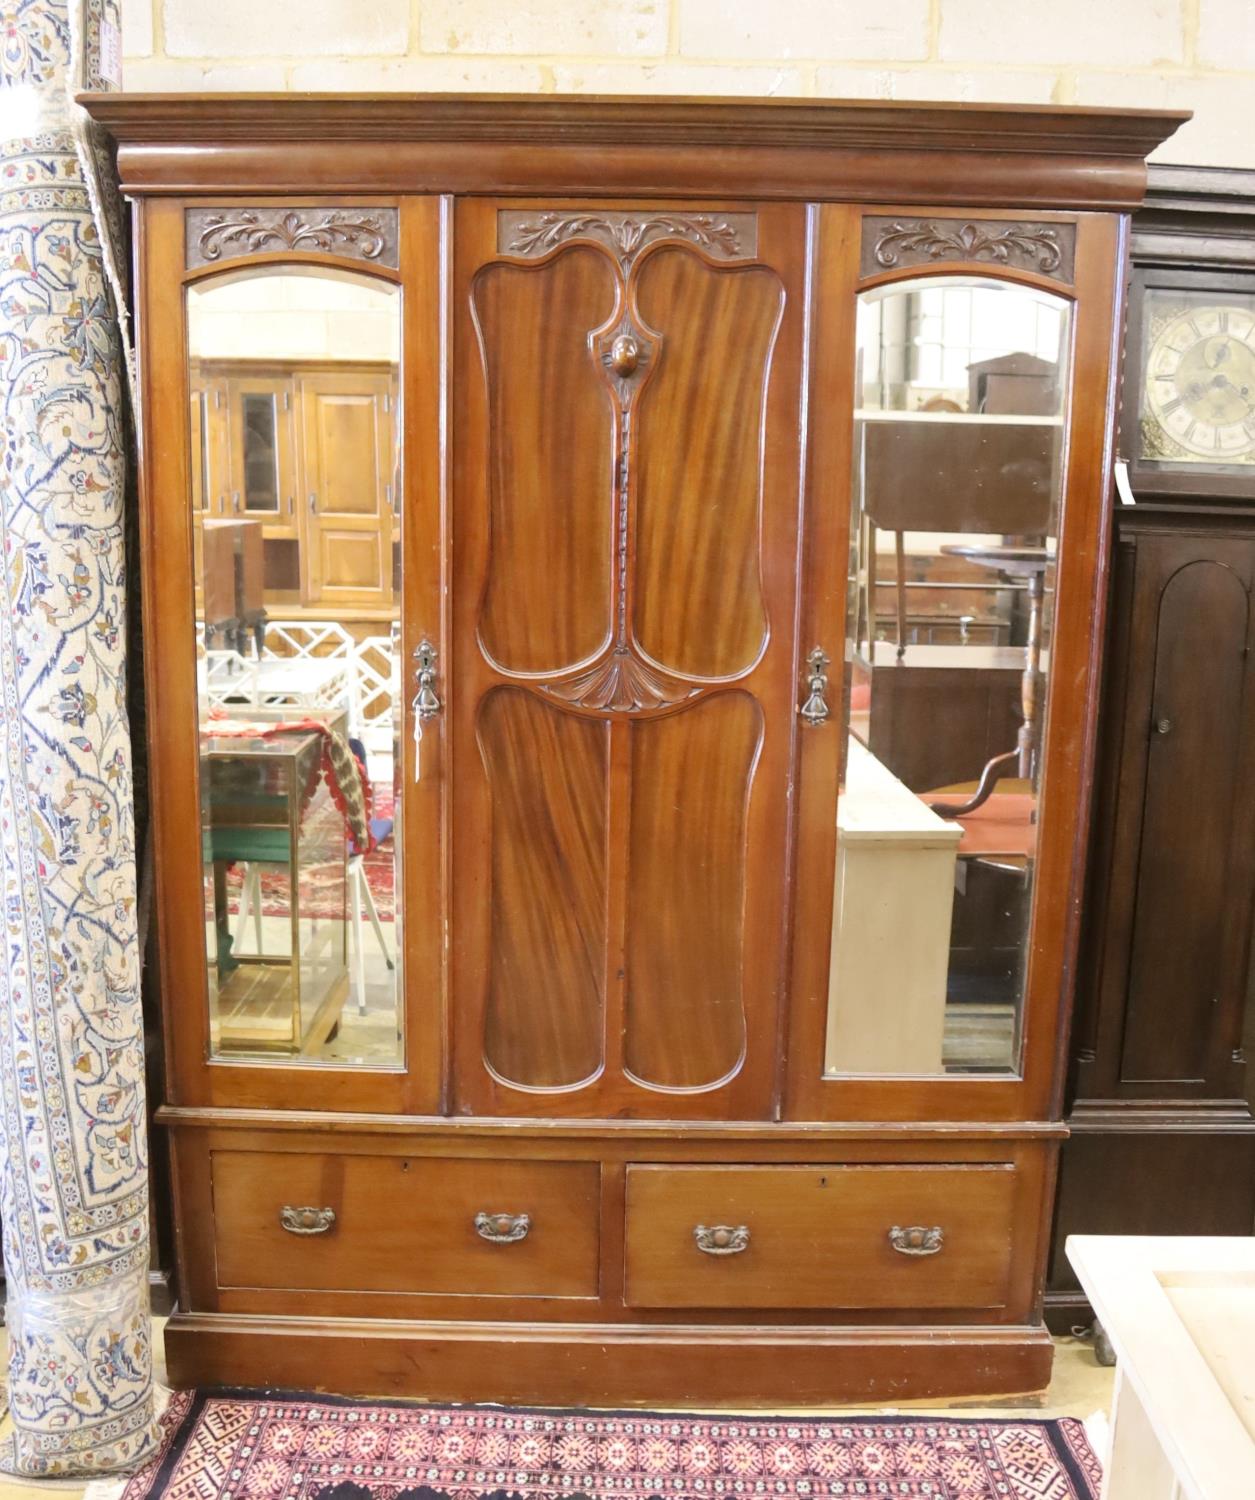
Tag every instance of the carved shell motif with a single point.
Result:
(1039, 247)
(249, 230)
(620, 684)
(626, 234)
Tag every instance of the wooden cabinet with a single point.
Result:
(591, 1138)
(308, 449)
(1160, 1092)
(349, 447)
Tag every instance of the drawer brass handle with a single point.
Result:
(722, 1239)
(502, 1229)
(307, 1220)
(917, 1240)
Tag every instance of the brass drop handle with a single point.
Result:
(815, 710)
(426, 705)
(722, 1239)
(307, 1220)
(502, 1229)
(917, 1240)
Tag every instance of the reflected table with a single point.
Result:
(1180, 1314)
(1002, 830)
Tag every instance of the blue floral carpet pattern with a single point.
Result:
(73, 1171)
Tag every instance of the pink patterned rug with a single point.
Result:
(220, 1445)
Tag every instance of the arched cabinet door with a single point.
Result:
(1175, 959)
(623, 699)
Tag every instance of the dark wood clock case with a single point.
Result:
(1160, 1088)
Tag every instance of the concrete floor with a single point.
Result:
(1079, 1387)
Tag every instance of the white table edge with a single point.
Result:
(1202, 1436)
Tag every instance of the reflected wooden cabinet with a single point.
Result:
(308, 448)
(349, 449)
(678, 388)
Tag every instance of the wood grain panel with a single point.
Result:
(699, 605)
(674, 878)
(685, 1020)
(546, 601)
(547, 774)
(1192, 772)
(818, 1236)
(406, 1224)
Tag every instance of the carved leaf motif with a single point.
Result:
(627, 235)
(970, 242)
(252, 231)
(620, 684)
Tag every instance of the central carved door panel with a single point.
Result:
(623, 667)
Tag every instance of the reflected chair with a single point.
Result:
(360, 895)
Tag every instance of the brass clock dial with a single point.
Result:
(1200, 385)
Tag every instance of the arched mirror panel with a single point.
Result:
(295, 447)
(961, 389)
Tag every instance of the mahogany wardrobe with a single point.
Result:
(622, 589)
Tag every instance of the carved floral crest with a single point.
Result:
(221, 233)
(1045, 248)
(727, 236)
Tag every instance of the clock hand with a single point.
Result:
(1241, 392)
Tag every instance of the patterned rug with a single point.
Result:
(220, 1445)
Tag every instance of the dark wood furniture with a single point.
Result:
(945, 477)
(233, 592)
(1159, 1099)
(936, 714)
(613, 1167)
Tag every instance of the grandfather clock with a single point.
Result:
(1163, 1136)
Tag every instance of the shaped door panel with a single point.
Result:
(684, 1018)
(547, 773)
(547, 586)
(699, 606)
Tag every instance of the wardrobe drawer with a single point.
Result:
(818, 1236)
(406, 1224)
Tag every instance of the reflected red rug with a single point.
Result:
(322, 892)
(220, 1445)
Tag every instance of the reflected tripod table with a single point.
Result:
(1029, 563)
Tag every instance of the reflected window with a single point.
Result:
(297, 642)
(259, 439)
(962, 388)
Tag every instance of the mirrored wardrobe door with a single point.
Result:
(293, 372)
(961, 387)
